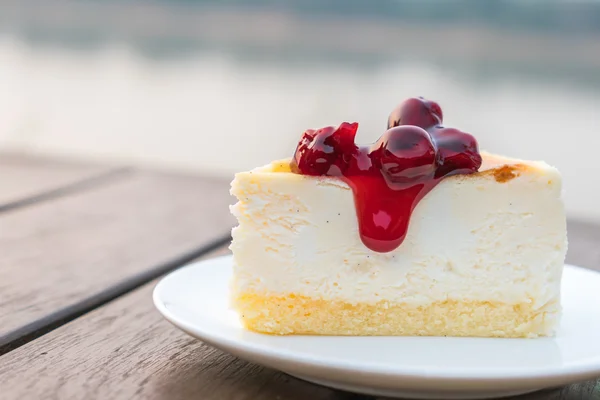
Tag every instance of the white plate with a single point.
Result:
(195, 299)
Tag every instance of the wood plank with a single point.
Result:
(126, 350)
(26, 179)
(584, 244)
(66, 255)
(577, 391)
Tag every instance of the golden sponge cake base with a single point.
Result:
(294, 314)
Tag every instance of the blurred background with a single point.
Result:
(219, 86)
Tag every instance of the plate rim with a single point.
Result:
(252, 351)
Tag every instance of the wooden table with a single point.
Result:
(81, 249)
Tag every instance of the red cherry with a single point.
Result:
(458, 152)
(405, 154)
(416, 111)
(326, 151)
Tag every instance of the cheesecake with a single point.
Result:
(417, 234)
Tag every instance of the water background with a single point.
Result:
(202, 88)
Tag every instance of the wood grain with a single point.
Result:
(126, 350)
(59, 253)
(24, 177)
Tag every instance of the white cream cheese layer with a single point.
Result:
(482, 237)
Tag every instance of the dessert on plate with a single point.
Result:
(419, 233)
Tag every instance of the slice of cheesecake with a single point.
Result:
(481, 255)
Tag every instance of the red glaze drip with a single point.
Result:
(390, 177)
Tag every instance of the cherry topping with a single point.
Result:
(458, 151)
(326, 151)
(416, 111)
(405, 154)
(390, 177)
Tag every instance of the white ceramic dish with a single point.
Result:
(195, 299)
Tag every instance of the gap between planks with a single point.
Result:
(36, 329)
(61, 256)
(77, 186)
